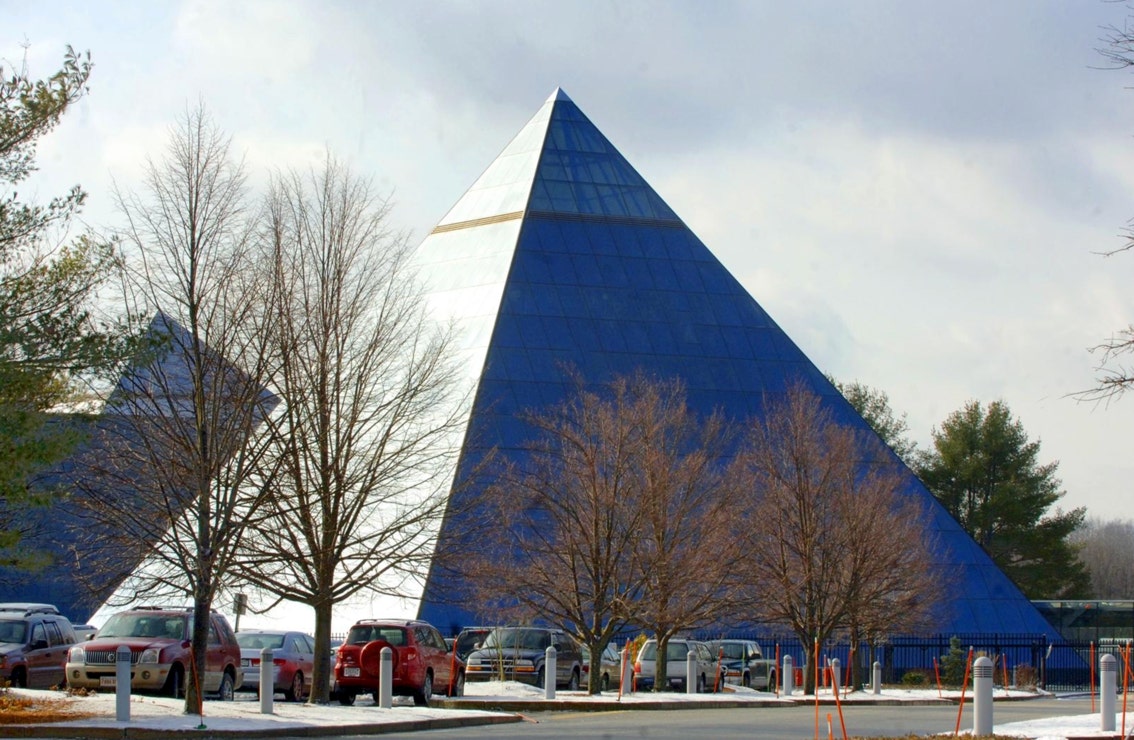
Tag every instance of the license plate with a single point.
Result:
(244, 663)
(108, 682)
(351, 672)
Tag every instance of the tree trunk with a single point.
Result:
(322, 671)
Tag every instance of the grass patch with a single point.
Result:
(21, 710)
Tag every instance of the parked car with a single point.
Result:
(676, 651)
(160, 656)
(293, 660)
(745, 664)
(609, 667)
(34, 639)
(517, 654)
(470, 639)
(422, 664)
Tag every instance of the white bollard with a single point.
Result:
(1108, 673)
(122, 684)
(982, 696)
(386, 679)
(267, 681)
(876, 678)
(835, 675)
(691, 671)
(788, 674)
(549, 669)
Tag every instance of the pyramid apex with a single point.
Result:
(557, 96)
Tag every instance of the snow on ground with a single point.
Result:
(162, 713)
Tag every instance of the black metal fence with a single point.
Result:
(1023, 660)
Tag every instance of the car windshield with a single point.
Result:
(13, 631)
(467, 641)
(257, 641)
(733, 650)
(673, 651)
(518, 639)
(144, 625)
(360, 634)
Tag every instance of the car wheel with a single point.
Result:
(346, 698)
(701, 684)
(295, 691)
(541, 678)
(19, 679)
(746, 682)
(459, 687)
(174, 682)
(226, 690)
(421, 698)
(573, 683)
(604, 684)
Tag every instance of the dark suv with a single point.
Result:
(160, 654)
(517, 654)
(422, 662)
(34, 639)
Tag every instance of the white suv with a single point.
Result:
(676, 652)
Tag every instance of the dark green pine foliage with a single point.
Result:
(986, 472)
(49, 338)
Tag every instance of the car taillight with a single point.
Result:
(279, 661)
(637, 666)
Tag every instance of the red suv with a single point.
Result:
(421, 661)
(160, 658)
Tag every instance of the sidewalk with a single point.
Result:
(484, 704)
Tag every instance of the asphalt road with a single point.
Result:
(765, 723)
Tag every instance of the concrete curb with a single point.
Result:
(149, 733)
(516, 707)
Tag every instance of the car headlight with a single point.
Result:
(75, 655)
(149, 655)
(522, 662)
(474, 661)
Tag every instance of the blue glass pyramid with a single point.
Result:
(562, 254)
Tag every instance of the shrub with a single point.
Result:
(1026, 676)
(953, 663)
(915, 677)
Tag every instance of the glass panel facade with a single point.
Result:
(601, 277)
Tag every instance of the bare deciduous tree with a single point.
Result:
(833, 542)
(689, 550)
(166, 481)
(1115, 374)
(364, 437)
(615, 515)
(1106, 548)
(572, 514)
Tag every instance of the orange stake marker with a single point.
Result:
(816, 659)
(964, 683)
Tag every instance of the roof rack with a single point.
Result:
(27, 608)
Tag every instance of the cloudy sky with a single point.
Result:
(918, 192)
